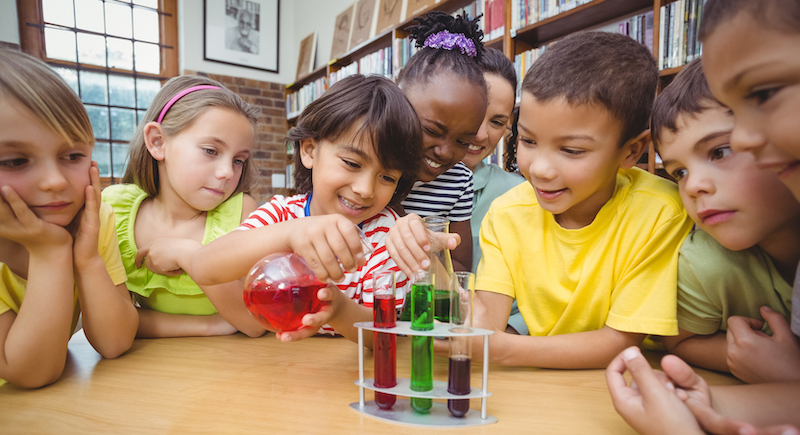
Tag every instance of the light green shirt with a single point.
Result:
(715, 283)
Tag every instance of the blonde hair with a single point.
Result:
(37, 87)
(142, 168)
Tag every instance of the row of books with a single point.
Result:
(678, 29)
(493, 21)
(523, 62)
(296, 102)
(526, 12)
(403, 49)
(379, 62)
(640, 28)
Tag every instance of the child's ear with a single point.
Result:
(154, 140)
(634, 148)
(307, 148)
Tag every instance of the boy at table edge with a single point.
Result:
(588, 247)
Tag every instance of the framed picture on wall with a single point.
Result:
(242, 33)
(341, 32)
(389, 14)
(362, 22)
(308, 53)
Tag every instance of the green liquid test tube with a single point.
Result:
(422, 347)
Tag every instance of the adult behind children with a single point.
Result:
(752, 63)
(186, 184)
(743, 257)
(588, 247)
(446, 87)
(357, 151)
(58, 248)
(490, 180)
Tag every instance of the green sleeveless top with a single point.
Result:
(169, 294)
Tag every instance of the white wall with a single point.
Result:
(9, 24)
(321, 20)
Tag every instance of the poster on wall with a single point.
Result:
(389, 14)
(416, 7)
(341, 33)
(362, 24)
(308, 52)
(242, 33)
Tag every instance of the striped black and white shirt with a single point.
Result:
(449, 195)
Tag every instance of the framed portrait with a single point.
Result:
(362, 22)
(308, 53)
(242, 33)
(341, 32)
(389, 14)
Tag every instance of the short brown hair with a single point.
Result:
(142, 168)
(387, 119)
(602, 68)
(687, 94)
(34, 85)
(782, 14)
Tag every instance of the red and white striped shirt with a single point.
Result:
(356, 285)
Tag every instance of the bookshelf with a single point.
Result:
(559, 19)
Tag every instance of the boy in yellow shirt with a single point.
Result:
(588, 246)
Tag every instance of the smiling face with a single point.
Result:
(451, 115)
(570, 155)
(202, 164)
(723, 191)
(48, 174)
(495, 122)
(347, 177)
(755, 70)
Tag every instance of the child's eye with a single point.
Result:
(762, 95)
(12, 163)
(526, 141)
(238, 162)
(462, 143)
(210, 151)
(389, 179)
(351, 164)
(74, 157)
(573, 152)
(430, 132)
(678, 174)
(720, 152)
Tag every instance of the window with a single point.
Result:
(115, 54)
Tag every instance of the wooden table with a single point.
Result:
(243, 385)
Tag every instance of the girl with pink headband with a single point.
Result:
(187, 183)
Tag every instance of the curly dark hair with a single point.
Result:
(510, 153)
(382, 114)
(429, 62)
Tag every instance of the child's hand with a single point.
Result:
(312, 322)
(167, 256)
(86, 238)
(755, 357)
(19, 224)
(650, 404)
(409, 244)
(326, 241)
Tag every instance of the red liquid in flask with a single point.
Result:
(385, 350)
(458, 383)
(283, 303)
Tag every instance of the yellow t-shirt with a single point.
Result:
(12, 287)
(620, 270)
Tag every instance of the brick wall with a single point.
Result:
(269, 152)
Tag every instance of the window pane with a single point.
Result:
(99, 117)
(89, 15)
(58, 12)
(120, 153)
(146, 90)
(123, 122)
(59, 44)
(93, 88)
(69, 75)
(149, 3)
(121, 91)
(118, 20)
(102, 155)
(147, 58)
(145, 25)
(91, 49)
(120, 54)
(140, 116)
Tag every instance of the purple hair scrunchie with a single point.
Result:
(449, 41)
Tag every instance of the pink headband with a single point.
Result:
(180, 95)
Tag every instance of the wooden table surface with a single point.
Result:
(242, 385)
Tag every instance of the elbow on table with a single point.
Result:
(36, 378)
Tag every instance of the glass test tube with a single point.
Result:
(384, 345)
(422, 347)
(458, 381)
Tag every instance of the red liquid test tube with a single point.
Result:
(384, 345)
